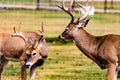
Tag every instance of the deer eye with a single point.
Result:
(66, 31)
(33, 54)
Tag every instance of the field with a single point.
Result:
(65, 61)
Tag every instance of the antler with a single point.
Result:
(42, 25)
(42, 32)
(19, 34)
(69, 11)
(87, 12)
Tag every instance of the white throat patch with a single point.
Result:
(41, 45)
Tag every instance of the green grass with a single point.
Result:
(65, 61)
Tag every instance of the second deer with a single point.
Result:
(29, 48)
(103, 50)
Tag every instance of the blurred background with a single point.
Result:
(65, 61)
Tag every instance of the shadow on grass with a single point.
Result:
(118, 74)
(55, 40)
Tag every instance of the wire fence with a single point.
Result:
(13, 12)
(98, 4)
(27, 17)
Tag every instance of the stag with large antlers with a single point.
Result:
(103, 50)
(29, 48)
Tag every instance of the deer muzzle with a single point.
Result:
(61, 38)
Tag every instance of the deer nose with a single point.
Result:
(60, 37)
(28, 66)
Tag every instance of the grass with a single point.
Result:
(65, 61)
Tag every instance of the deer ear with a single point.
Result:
(86, 22)
(35, 44)
(78, 26)
(41, 38)
(30, 41)
(82, 23)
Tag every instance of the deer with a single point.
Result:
(29, 48)
(104, 50)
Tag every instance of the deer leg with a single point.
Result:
(116, 72)
(33, 72)
(2, 65)
(23, 70)
(112, 72)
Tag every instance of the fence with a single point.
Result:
(113, 7)
(12, 12)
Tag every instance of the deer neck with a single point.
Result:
(85, 42)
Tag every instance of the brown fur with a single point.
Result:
(15, 47)
(103, 50)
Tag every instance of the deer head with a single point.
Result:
(36, 50)
(73, 26)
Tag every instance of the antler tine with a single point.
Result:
(69, 9)
(14, 30)
(19, 34)
(71, 3)
(20, 27)
(62, 7)
(81, 6)
(86, 3)
(63, 4)
(87, 11)
(42, 27)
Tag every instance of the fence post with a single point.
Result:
(38, 4)
(105, 6)
(50, 2)
(112, 4)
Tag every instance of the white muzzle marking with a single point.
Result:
(29, 64)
